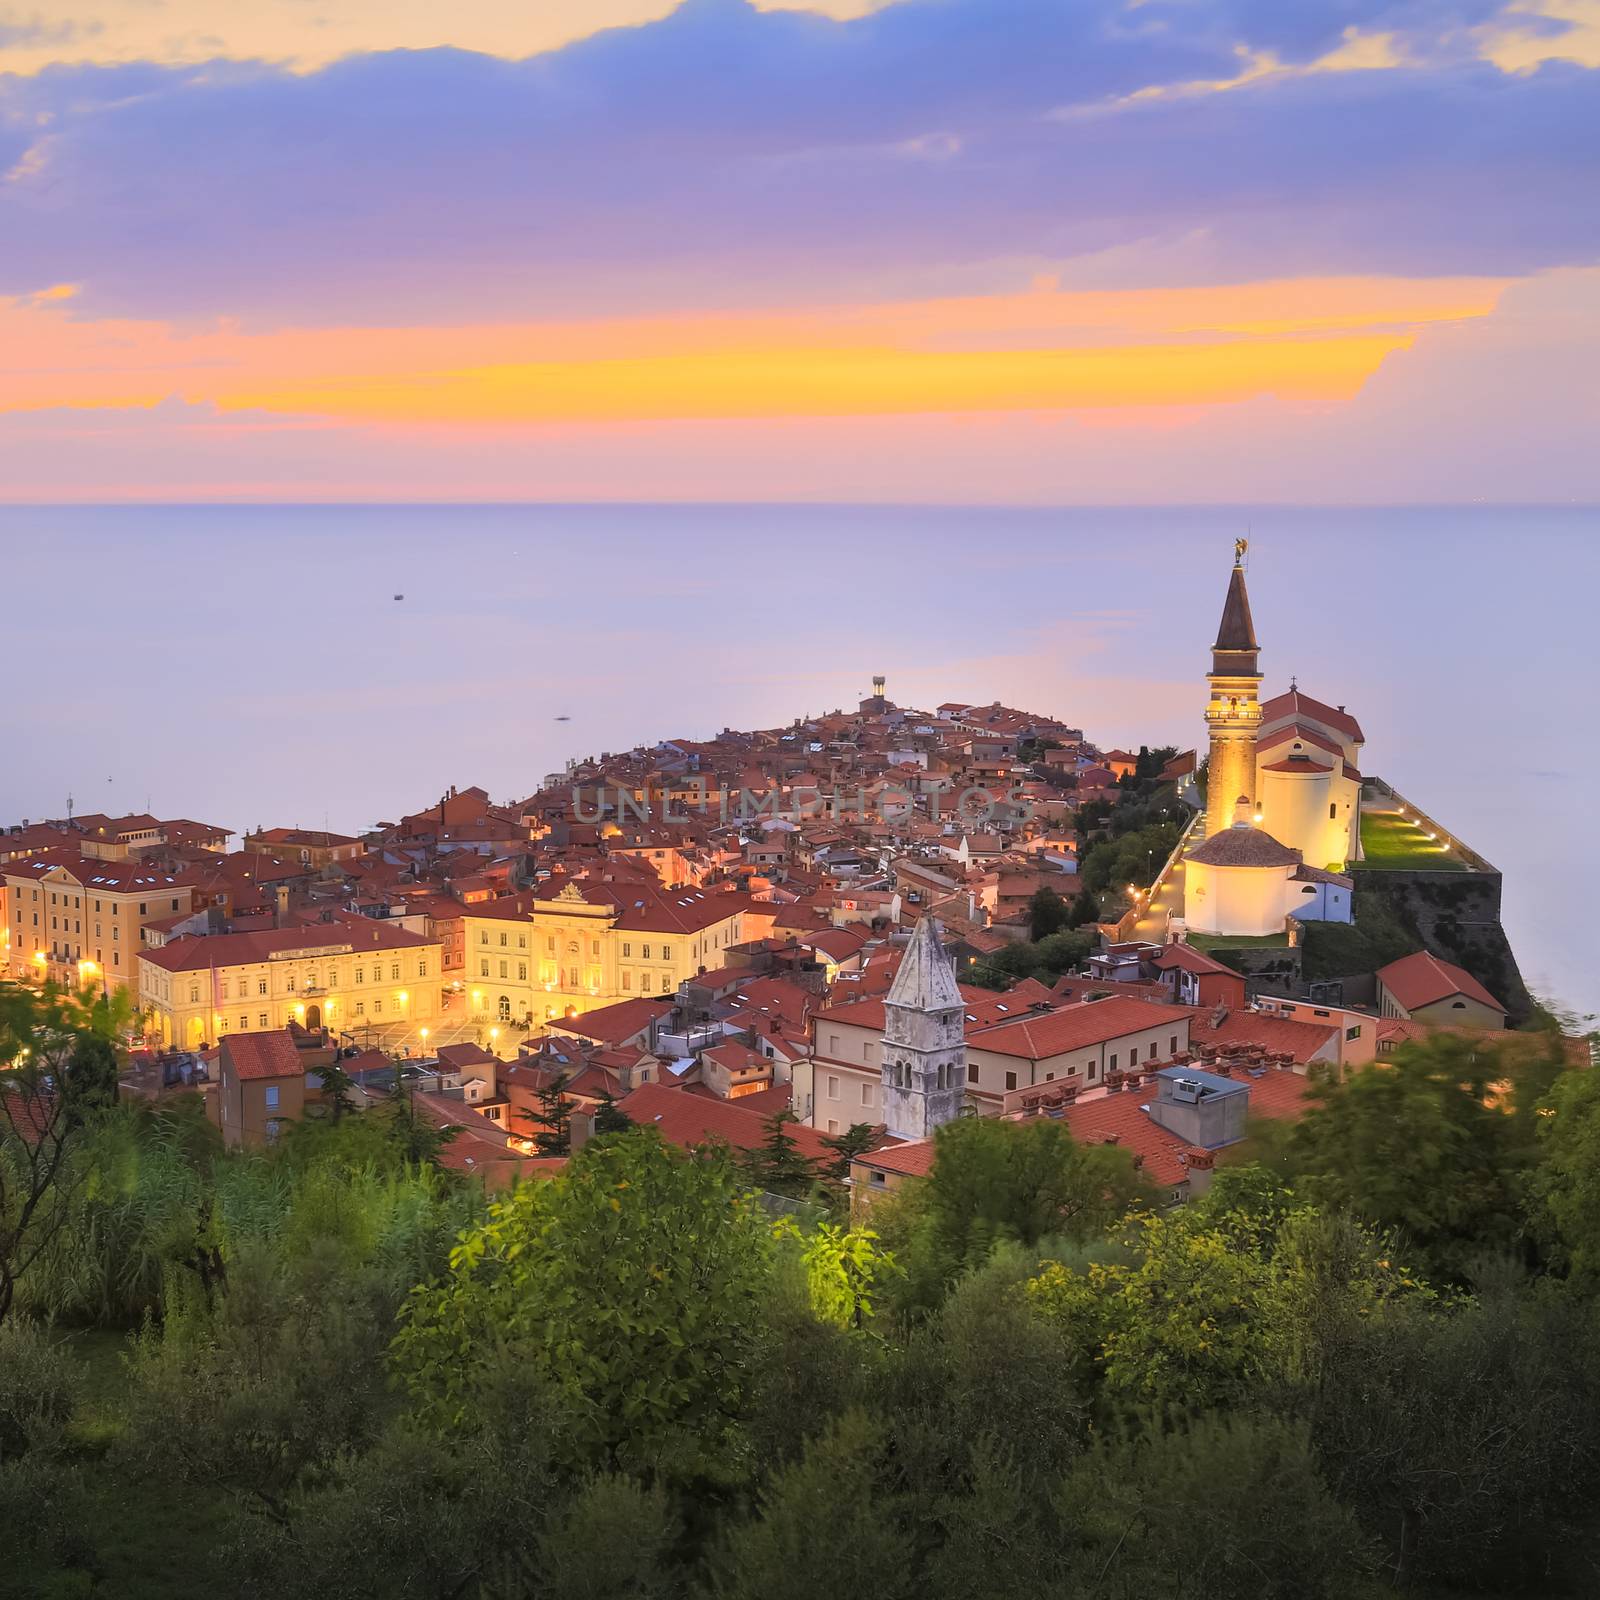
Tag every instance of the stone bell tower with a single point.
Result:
(1233, 713)
(924, 1040)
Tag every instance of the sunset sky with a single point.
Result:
(967, 250)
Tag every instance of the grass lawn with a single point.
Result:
(1390, 840)
(1230, 941)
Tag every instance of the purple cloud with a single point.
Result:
(726, 156)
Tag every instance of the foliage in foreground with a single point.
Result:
(330, 1371)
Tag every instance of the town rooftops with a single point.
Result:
(1244, 846)
(1422, 979)
(262, 1055)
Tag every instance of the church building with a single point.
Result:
(1283, 794)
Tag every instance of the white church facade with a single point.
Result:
(1283, 795)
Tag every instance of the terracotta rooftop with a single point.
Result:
(262, 1055)
(1421, 979)
(691, 1119)
(1040, 1035)
(358, 935)
(1244, 847)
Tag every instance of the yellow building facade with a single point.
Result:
(534, 960)
(80, 922)
(347, 977)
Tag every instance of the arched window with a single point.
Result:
(505, 1008)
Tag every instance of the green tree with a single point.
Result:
(1047, 913)
(54, 1054)
(552, 1116)
(338, 1090)
(1565, 1185)
(777, 1164)
(995, 1182)
(855, 1141)
(1085, 909)
(1145, 1526)
(839, 1486)
(1421, 1144)
(630, 1287)
(609, 1117)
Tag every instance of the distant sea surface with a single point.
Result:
(256, 665)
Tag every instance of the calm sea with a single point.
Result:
(340, 665)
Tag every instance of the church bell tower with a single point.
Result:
(924, 1050)
(1233, 713)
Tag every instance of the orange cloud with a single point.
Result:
(1046, 349)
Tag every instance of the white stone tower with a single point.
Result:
(924, 1039)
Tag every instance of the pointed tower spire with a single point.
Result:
(1236, 648)
(1233, 713)
(926, 979)
(924, 1050)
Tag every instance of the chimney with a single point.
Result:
(281, 914)
(580, 1128)
(1219, 1016)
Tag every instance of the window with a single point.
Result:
(377, 1006)
(1011, 1080)
(833, 1044)
(627, 949)
(833, 1088)
(261, 1021)
(505, 969)
(291, 983)
(1333, 813)
(483, 936)
(194, 994)
(394, 970)
(645, 950)
(666, 952)
(627, 980)
(972, 1072)
(483, 967)
(422, 967)
(1113, 1063)
(502, 941)
(361, 1008)
(261, 985)
(522, 971)
(594, 947)
(866, 1094)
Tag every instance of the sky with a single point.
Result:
(976, 251)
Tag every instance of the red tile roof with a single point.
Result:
(1189, 959)
(358, 935)
(1422, 978)
(1039, 1036)
(1301, 1039)
(1295, 703)
(614, 1024)
(262, 1055)
(690, 1119)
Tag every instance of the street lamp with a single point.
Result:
(424, 1041)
